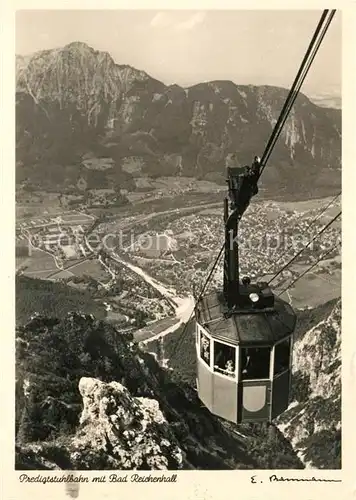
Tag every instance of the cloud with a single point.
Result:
(166, 19)
(161, 19)
(191, 22)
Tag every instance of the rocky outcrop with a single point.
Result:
(88, 398)
(74, 99)
(313, 422)
(123, 431)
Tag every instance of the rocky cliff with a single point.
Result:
(88, 398)
(313, 422)
(126, 432)
(76, 103)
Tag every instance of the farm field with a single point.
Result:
(38, 204)
(61, 275)
(64, 218)
(154, 329)
(321, 284)
(304, 206)
(314, 290)
(90, 268)
(77, 218)
(37, 265)
(115, 317)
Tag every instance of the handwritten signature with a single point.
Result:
(275, 478)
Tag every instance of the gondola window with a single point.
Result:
(255, 363)
(224, 359)
(205, 348)
(281, 356)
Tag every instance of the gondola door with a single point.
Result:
(255, 384)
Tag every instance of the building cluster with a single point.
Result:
(61, 237)
(129, 295)
(269, 237)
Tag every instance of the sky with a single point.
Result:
(187, 47)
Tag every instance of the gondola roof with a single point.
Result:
(245, 328)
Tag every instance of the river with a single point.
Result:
(183, 306)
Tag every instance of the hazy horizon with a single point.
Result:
(189, 47)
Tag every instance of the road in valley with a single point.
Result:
(183, 305)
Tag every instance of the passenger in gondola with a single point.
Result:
(246, 364)
(205, 348)
(254, 175)
(230, 367)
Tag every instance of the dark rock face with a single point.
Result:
(313, 422)
(88, 398)
(75, 100)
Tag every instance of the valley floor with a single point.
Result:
(195, 230)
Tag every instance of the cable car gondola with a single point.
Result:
(244, 333)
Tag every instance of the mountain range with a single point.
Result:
(330, 99)
(79, 114)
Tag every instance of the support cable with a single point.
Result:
(298, 82)
(308, 270)
(305, 247)
(324, 209)
(181, 336)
